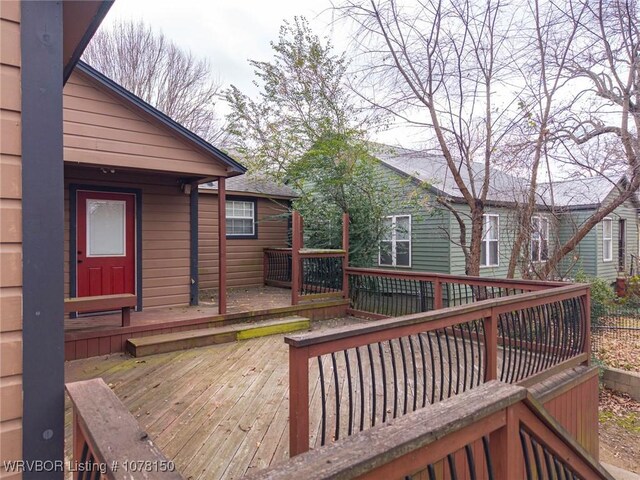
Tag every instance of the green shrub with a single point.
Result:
(602, 295)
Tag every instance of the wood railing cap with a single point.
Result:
(482, 307)
(508, 282)
(113, 434)
(367, 450)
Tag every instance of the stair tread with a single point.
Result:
(205, 332)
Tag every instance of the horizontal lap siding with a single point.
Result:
(10, 238)
(429, 226)
(165, 232)
(100, 129)
(626, 211)
(507, 224)
(244, 257)
(584, 257)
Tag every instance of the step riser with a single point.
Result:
(215, 338)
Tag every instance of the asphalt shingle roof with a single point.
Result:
(256, 184)
(503, 187)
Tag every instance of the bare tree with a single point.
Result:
(482, 76)
(161, 73)
(604, 70)
(439, 65)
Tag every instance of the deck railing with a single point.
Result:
(367, 374)
(496, 431)
(316, 273)
(389, 293)
(108, 443)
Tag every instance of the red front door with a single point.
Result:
(106, 243)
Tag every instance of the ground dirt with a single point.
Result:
(619, 430)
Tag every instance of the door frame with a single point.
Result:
(74, 188)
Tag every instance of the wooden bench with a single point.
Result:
(123, 301)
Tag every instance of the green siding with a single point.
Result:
(627, 212)
(583, 257)
(429, 226)
(507, 221)
(435, 233)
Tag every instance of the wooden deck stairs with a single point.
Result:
(171, 342)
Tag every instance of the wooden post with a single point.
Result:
(222, 247)
(265, 267)
(345, 258)
(78, 443)
(126, 316)
(491, 329)
(506, 452)
(298, 400)
(296, 238)
(437, 294)
(587, 319)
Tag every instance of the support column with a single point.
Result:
(345, 259)
(194, 286)
(222, 246)
(296, 244)
(42, 238)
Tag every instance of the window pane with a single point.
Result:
(403, 228)
(493, 228)
(493, 253)
(105, 228)
(402, 254)
(607, 228)
(387, 226)
(483, 254)
(544, 250)
(385, 253)
(535, 252)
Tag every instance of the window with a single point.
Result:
(395, 246)
(607, 239)
(241, 219)
(539, 239)
(490, 239)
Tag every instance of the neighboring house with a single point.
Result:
(257, 218)
(612, 246)
(428, 240)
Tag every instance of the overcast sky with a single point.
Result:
(227, 33)
(230, 32)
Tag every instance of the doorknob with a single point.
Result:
(79, 261)
(79, 252)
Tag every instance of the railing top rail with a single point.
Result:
(309, 251)
(112, 433)
(503, 282)
(373, 448)
(481, 307)
(480, 408)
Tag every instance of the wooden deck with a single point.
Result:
(239, 300)
(218, 412)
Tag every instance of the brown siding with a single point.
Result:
(165, 232)
(99, 129)
(10, 238)
(244, 257)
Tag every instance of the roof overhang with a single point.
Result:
(232, 167)
(81, 19)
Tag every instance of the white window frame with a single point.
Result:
(484, 262)
(252, 218)
(608, 258)
(394, 241)
(541, 219)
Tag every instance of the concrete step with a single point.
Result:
(171, 342)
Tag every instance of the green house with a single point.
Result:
(428, 238)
